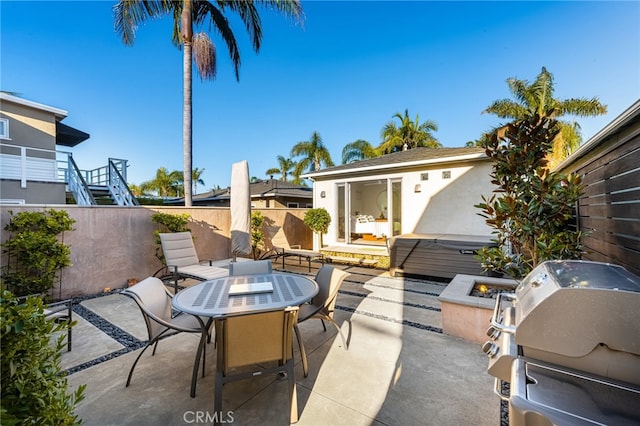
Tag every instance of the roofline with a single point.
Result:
(465, 157)
(604, 133)
(57, 111)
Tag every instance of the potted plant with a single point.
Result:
(318, 220)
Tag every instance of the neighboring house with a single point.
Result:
(609, 209)
(265, 194)
(422, 191)
(29, 135)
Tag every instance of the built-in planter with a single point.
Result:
(465, 314)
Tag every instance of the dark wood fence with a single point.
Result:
(609, 210)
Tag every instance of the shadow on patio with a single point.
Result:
(399, 369)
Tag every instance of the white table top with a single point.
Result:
(211, 298)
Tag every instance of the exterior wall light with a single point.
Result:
(418, 188)
(323, 194)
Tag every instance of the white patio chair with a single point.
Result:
(182, 260)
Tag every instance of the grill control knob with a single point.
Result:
(493, 332)
(490, 349)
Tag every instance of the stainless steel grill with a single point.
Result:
(568, 342)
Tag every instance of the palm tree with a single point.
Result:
(195, 178)
(410, 134)
(359, 150)
(187, 15)
(313, 153)
(165, 183)
(285, 165)
(537, 98)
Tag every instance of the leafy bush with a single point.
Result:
(168, 223)
(35, 256)
(532, 209)
(34, 390)
(318, 220)
(257, 237)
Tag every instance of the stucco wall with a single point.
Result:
(441, 206)
(112, 244)
(30, 127)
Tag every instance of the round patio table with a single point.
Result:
(245, 294)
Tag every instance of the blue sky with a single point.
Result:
(344, 73)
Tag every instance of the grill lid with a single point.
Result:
(570, 307)
(581, 274)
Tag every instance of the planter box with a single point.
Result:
(467, 316)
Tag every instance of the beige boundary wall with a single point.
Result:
(113, 244)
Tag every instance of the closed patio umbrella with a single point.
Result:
(240, 209)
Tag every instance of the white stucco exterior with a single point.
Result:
(436, 196)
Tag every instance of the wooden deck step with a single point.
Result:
(351, 260)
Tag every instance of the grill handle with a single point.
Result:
(497, 389)
(495, 318)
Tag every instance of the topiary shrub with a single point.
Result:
(35, 255)
(318, 220)
(33, 390)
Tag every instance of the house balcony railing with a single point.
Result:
(42, 165)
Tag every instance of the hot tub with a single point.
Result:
(436, 255)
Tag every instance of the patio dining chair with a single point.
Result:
(61, 312)
(260, 343)
(250, 268)
(182, 260)
(154, 301)
(321, 307)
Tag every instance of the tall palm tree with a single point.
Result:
(285, 166)
(165, 183)
(190, 14)
(537, 98)
(359, 150)
(196, 179)
(313, 153)
(410, 134)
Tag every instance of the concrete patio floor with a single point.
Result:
(399, 368)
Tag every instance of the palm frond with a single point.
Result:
(582, 107)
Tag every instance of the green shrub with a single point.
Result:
(168, 223)
(35, 255)
(33, 390)
(532, 209)
(257, 237)
(318, 220)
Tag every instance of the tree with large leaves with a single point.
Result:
(359, 150)
(199, 48)
(536, 98)
(285, 167)
(314, 154)
(410, 133)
